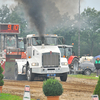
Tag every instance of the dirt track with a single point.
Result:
(74, 88)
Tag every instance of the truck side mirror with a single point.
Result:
(63, 40)
(24, 40)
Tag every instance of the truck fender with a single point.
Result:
(70, 59)
(20, 65)
(24, 68)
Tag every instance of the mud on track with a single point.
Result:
(74, 88)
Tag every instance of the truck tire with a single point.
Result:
(16, 76)
(30, 75)
(87, 72)
(63, 77)
(75, 65)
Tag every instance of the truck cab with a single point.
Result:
(12, 47)
(43, 59)
(66, 52)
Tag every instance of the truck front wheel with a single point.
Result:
(30, 75)
(16, 76)
(63, 77)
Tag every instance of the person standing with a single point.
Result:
(97, 65)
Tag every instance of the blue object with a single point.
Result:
(51, 75)
(54, 74)
(97, 57)
(95, 97)
(47, 75)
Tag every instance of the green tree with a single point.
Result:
(4, 14)
(17, 16)
(14, 16)
(1, 76)
(90, 26)
(97, 88)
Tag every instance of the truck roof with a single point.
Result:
(65, 46)
(45, 35)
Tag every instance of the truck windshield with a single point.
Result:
(10, 41)
(50, 41)
(65, 51)
(62, 51)
(47, 41)
(68, 51)
(20, 44)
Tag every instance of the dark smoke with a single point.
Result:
(38, 11)
(51, 13)
(46, 14)
(34, 10)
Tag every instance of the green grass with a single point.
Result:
(6, 96)
(92, 76)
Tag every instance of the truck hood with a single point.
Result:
(44, 49)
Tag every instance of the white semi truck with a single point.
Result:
(43, 59)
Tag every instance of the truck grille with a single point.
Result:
(51, 59)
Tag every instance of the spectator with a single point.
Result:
(97, 65)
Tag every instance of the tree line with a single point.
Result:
(87, 24)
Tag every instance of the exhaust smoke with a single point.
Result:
(46, 14)
(34, 10)
(68, 6)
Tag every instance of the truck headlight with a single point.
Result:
(64, 63)
(35, 64)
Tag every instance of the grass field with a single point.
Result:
(92, 76)
(6, 96)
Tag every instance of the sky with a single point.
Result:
(91, 3)
(86, 3)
